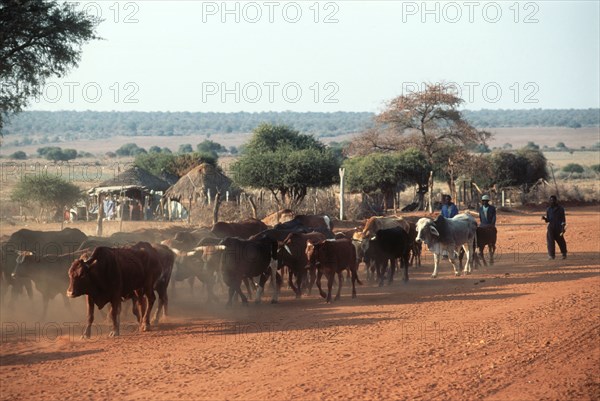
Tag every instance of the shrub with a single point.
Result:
(19, 155)
(573, 168)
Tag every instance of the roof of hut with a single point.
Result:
(197, 181)
(135, 177)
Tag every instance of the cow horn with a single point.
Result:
(373, 238)
(20, 258)
(215, 247)
(287, 248)
(434, 231)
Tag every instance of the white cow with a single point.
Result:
(449, 235)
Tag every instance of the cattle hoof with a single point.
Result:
(257, 302)
(85, 337)
(337, 298)
(323, 295)
(274, 301)
(434, 276)
(457, 274)
(353, 295)
(113, 334)
(381, 283)
(145, 327)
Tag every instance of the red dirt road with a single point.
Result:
(524, 329)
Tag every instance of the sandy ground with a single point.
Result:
(524, 329)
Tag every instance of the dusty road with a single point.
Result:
(524, 329)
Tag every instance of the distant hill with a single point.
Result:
(42, 127)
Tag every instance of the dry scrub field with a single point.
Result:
(524, 329)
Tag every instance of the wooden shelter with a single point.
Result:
(132, 186)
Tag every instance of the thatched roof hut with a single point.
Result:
(199, 183)
(135, 178)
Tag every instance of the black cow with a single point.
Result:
(292, 253)
(40, 243)
(166, 258)
(243, 229)
(202, 262)
(486, 236)
(109, 275)
(246, 259)
(387, 246)
(49, 273)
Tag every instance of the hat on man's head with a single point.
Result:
(485, 197)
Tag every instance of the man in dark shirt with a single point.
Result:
(487, 212)
(555, 217)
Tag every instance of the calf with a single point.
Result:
(331, 257)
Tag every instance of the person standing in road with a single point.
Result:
(487, 212)
(555, 217)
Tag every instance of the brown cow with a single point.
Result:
(331, 257)
(244, 229)
(110, 275)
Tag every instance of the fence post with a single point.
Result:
(342, 172)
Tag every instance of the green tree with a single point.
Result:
(178, 164)
(47, 191)
(154, 149)
(595, 167)
(573, 168)
(524, 167)
(19, 155)
(532, 145)
(534, 164)
(208, 146)
(386, 173)
(130, 149)
(185, 148)
(38, 39)
(285, 162)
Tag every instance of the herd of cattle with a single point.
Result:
(139, 266)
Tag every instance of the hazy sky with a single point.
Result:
(329, 56)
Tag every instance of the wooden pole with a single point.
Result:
(216, 208)
(342, 173)
(190, 211)
(430, 192)
(100, 215)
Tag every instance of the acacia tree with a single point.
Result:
(386, 173)
(38, 39)
(286, 163)
(46, 191)
(428, 120)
